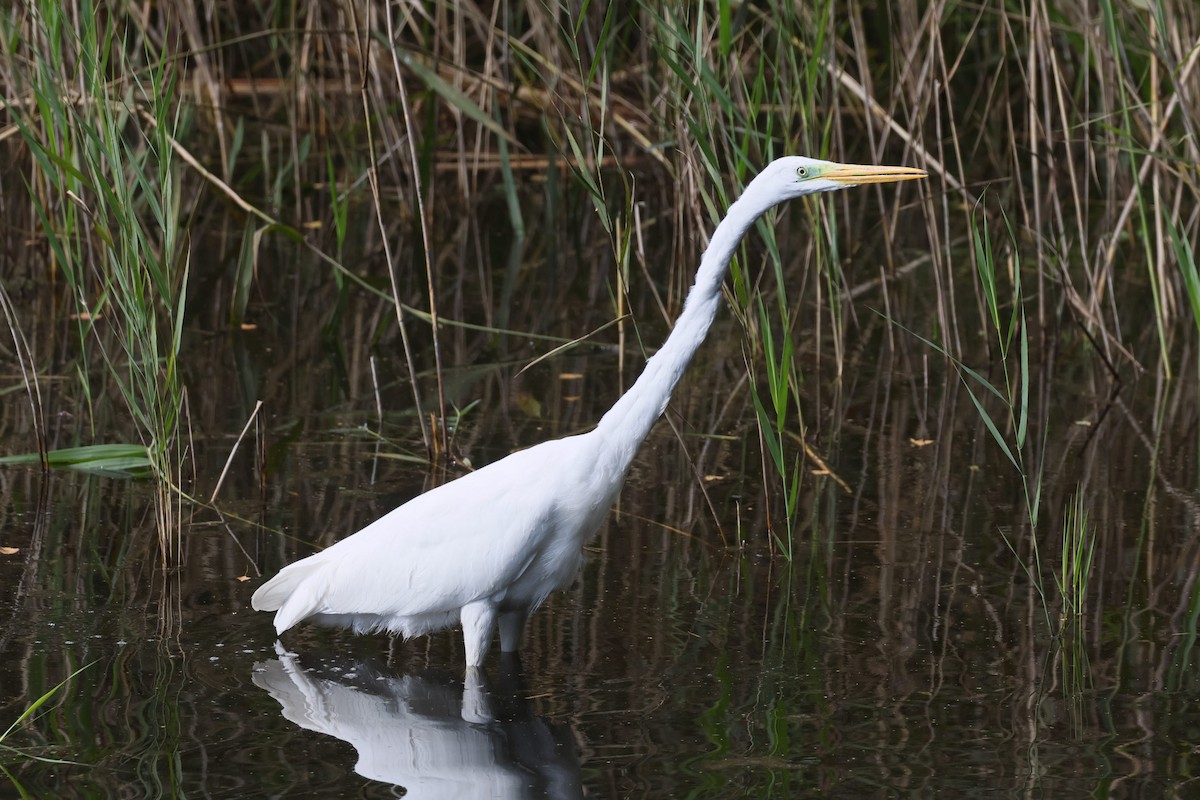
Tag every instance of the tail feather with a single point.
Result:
(295, 593)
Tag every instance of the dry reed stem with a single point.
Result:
(442, 444)
(426, 433)
(233, 452)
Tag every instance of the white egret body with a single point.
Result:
(486, 549)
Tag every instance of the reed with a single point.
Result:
(1078, 556)
(1079, 118)
(103, 184)
(1004, 314)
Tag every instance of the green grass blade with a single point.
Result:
(117, 460)
(991, 426)
(1023, 410)
(38, 703)
(451, 95)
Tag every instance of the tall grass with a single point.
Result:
(101, 116)
(1078, 556)
(1080, 118)
(1004, 316)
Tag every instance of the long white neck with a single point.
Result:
(628, 422)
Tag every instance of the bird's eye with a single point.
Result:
(802, 172)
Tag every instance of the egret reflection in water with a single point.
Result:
(435, 738)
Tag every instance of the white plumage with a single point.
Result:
(486, 549)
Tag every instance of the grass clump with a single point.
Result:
(100, 123)
(1078, 555)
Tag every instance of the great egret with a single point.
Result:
(488, 548)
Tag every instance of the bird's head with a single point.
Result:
(793, 176)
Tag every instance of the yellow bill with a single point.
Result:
(859, 174)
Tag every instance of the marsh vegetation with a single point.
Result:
(921, 515)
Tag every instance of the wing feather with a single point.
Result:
(466, 540)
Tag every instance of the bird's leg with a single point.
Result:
(477, 703)
(479, 625)
(512, 629)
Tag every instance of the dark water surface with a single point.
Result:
(902, 651)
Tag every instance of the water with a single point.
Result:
(903, 650)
